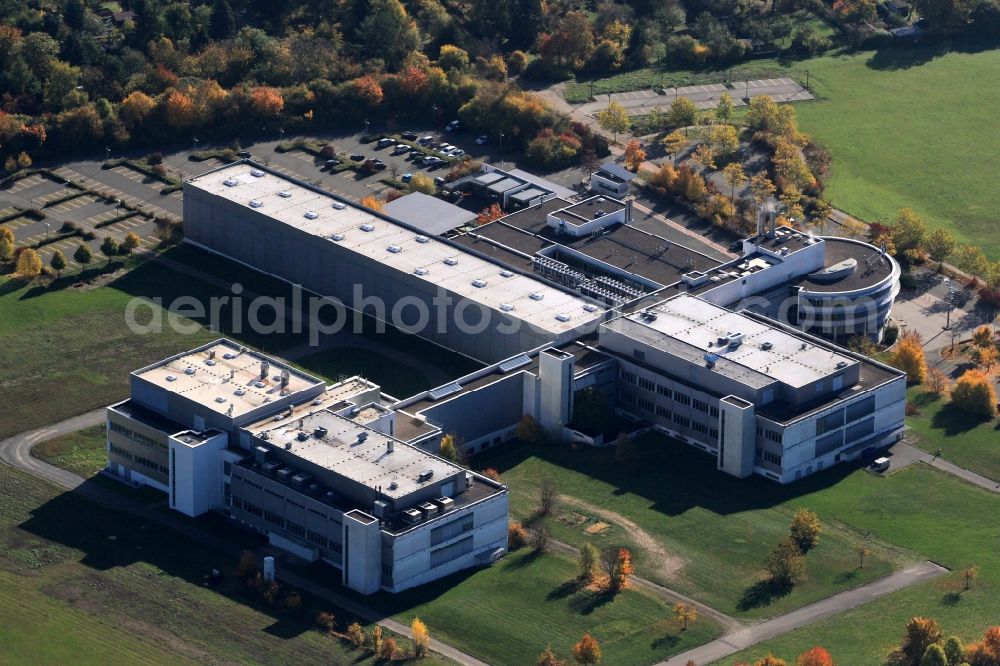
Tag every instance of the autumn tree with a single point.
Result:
(388, 32)
(587, 650)
(974, 393)
(517, 536)
(805, 529)
(58, 262)
(970, 573)
(373, 203)
(735, 177)
(785, 564)
(548, 496)
(614, 119)
(421, 638)
(921, 633)
(492, 474)
(682, 112)
(178, 110)
(421, 183)
(617, 563)
(368, 90)
(909, 231)
(937, 381)
(6, 248)
(588, 563)
(909, 356)
(549, 658)
(724, 109)
(447, 449)
(570, 45)
(355, 634)
(987, 651)
(109, 248)
(971, 260)
(985, 357)
(131, 242)
(634, 155)
(940, 243)
(453, 58)
(489, 214)
(724, 141)
(83, 255)
(23, 160)
(589, 162)
(816, 656)
(675, 142)
(684, 614)
(853, 227)
(528, 430)
(703, 157)
(761, 188)
(982, 336)
(266, 102)
(770, 660)
(862, 550)
(29, 264)
(390, 649)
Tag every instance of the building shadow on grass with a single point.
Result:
(674, 477)
(954, 421)
(762, 593)
(896, 56)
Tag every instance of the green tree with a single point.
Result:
(682, 113)
(58, 262)
(940, 243)
(6, 250)
(724, 140)
(785, 564)
(614, 119)
(909, 231)
(588, 563)
(447, 449)
(388, 31)
(724, 111)
(83, 255)
(954, 651)
(109, 248)
(675, 142)
(222, 24)
(944, 15)
(971, 259)
(934, 656)
(452, 58)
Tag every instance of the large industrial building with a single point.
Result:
(735, 356)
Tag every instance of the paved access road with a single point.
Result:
(641, 102)
(16, 451)
(838, 603)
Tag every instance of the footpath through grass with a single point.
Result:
(948, 521)
(89, 586)
(692, 528)
(83, 452)
(964, 440)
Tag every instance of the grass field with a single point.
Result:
(946, 520)
(83, 452)
(89, 586)
(67, 350)
(967, 442)
(509, 613)
(693, 529)
(911, 126)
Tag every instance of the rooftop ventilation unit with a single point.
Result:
(230, 182)
(210, 362)
(256, 173)
(563, 317)
(336, 237)
(421, 239)
(506, 307)
(239, 392)
(362, 437)
(506, 273)
(478, 283)
(444, 504)
(171, 378)
(285, 474)
(514, 363)
(229, 356)
(285, 194)
(394, 249)
(393, 485)
(537, 296)
(428, 509)
(420, 271)
(302, 436)
(255, 203)
(783, 251)
(598, 213)
(425, 475)
(260, 384)
(189, 371)
(590, 307)
(320, 432)
(220, 399)
(766, 346)
(367, 226)
(412, 516)
(301, 479)
(445, 390)
(310, 215)
(710, 359)
(841, 364)
(451, 261)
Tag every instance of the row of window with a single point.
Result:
(118, 451)
(767, 433)
(296, 529)
(768, 456)
(137, 437)
(150, 464)
(452, 529)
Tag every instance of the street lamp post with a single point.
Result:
(366, 125)
(501, 151)
(107, 153)
(951, 301)
(196, 143)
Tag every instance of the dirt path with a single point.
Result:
(665, 563)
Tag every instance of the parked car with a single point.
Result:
(424, 140)
(439, 181)
(339, 205)
(431, 159)
(357, 157)
(457, 152)
(406, 177)
(481, 139)
(383, 142)
(453, 126)
(409, 136)
(375, 165)
(400, 148)
(245, 154)
(329, 164)
(736, 246)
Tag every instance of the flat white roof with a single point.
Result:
(223, 375)
(359, 230)
(368, 461)
(789, 359)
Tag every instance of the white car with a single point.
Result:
(458, 152)
(482, 139)
(424, 140)
(400, 148)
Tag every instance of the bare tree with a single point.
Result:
(548, 497)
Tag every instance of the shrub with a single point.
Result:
(155, 158)
(327, 152)
(974, 393)
(517, 536)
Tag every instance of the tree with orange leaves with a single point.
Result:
(179, 110)
(634, 155)
(368, 90)
(617, 564)
(987, 651)
(266, 102)
(817, 656)
(770, 660)
(488, 214)
(135, 108)
(909, 357)
(974, 393)
(587, 650)
(373, 203)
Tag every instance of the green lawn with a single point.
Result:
(693, 529)
(509, 613)
(946, 520)
(96, 587)
(83, 452)
(968, 442)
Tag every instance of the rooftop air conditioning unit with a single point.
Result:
(444, 504)
(428, 509)
(412, 516)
